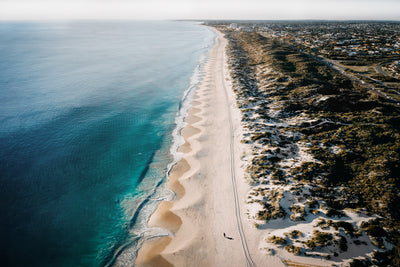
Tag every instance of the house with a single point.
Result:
(233, 26)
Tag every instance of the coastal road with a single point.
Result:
(339, 68)
(219, 67)
(378, 68)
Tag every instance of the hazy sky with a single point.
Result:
(200, 9)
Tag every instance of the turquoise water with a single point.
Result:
(87, 111)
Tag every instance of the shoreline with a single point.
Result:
(176, 215)
(151, 252)
(166, 189)
(209, 184)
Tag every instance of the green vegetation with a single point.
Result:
(387, 258)
(360, 263)
(373, 228)
(335, 213)
(270, 212)
(375, 231)
(348, 228)
(312, 204)
(295, 234)
(384, 78)
(293, 249)
(277, 240)
(298, 213)
(271, 207)
(342, 243)
(363, 127)
(352, 133)
(319, 239)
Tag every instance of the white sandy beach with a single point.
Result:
(204, 180)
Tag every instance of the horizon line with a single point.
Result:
(199, 20)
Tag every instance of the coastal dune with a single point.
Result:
(206, 219)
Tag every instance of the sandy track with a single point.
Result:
(209, 185)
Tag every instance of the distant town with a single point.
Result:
(334, 39)
(366, 52)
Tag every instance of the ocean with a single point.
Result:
(90, 114)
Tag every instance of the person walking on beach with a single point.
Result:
(227, 237)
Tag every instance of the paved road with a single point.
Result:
(333, 64)
(378, 68)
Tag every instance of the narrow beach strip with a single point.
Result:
(204, 217)
(176, 215)
(164, 217)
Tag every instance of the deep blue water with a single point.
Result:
(86, 115)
